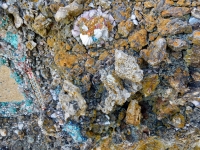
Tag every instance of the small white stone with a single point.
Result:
(91, 5)
(135, 22)
(3, 132)
(4, 6)
(20, 126)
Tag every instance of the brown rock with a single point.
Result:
(54, 7)
(50, 41)
(196, 76)
(89, 65)
(156, 52)
(150, 22)
(149, 4)
(172, 27)
(30, 45)
(79, 49)
(185, 3)
(138, 39)
(175, 12)
(179, 80)
(196, 37)
(153, 36)
(103, 55)
(125, 27)
(133, 113)
(41, 25)
(178, 121)
(149, 84)
(163, 108)
(121, 43)
(192, 57)
(177, 44)
(65, 59)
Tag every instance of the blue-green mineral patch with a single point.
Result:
(12, 39)
(74, 131)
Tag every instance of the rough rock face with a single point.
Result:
(138, 39)
(41, 25)
(79, 92)
(71, 10)
(72, 102)
(173, 26)
(117, 94)
(133, 113)
(156, 52)
(177, 44)
(126, 67)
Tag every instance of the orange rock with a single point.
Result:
(196, 37)
(149, 4)
(153, 36)
(125, 27)
(150, 22)
(121, 43)
(103, 55)
(64, 59)
(138, 39)
(175, 12)
(149, 84)
(89, 62)
(177, 44)
(50, 41)
(173, 26)
(169, 2)
(133, 113)
(184, 3)
(68, 47)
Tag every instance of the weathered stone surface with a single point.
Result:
(178, 121)
(156, 52)
(177, 44)
(78, 48)
(126, 67)
(192, 56)
(179, 80)
(9, 89)
(73, 9)
(175, 12)
(117, 93)
(41, 25)
(196, 37)
(173, 26)
(138, 39)
(149, 84)
(65, 59)
(30, 45)
(125, 27)
(72, 102)
(196, 76)
(196, 12)
(150, 22)
(133, 113)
